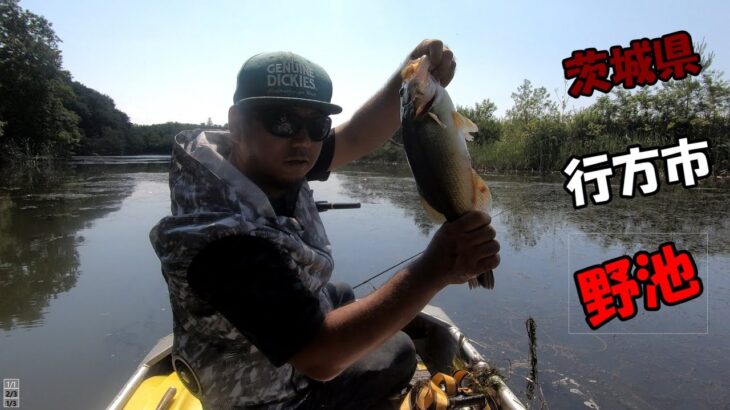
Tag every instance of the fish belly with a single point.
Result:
(441, 167)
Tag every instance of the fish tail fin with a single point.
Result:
(415, 67)
(485, 280)
(464, 125)
(481, 197)
(408, 71)
(433, 214)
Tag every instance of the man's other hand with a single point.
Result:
(461, 250)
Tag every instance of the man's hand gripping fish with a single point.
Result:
(434, 137)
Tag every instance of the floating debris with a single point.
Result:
(532, 379)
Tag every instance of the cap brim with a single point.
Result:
(317, 105)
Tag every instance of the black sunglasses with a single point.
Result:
(285, 123)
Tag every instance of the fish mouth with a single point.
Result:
(419, 85)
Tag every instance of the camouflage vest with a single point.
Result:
(211, 199)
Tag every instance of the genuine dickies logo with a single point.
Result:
(290, 75)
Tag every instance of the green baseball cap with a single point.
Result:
(283, 77)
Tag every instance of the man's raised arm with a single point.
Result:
(377, 120)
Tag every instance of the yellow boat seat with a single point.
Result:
(150, 393)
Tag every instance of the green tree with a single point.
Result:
(694, 107)
(33, 87)
(531, 103)
(105, 130)
(534, 124)
(158, 138)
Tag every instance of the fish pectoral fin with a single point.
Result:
(436, 118)
(432, 214)
(464, 125)
(481, 197)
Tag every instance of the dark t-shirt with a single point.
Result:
(248, 281)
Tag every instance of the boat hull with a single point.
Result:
(439, 343)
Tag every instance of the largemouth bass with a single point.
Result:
(434, 137)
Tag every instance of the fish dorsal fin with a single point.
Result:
(481, 197)
(432, 214)
(464, 125)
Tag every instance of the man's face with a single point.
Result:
(274, 162)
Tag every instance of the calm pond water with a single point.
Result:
(82, 297)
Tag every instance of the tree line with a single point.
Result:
(45, 113)
(538, 133)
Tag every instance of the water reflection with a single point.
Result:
(536, 224)
(531, 208)
(41, 211)
(397, 188)
(118, 307)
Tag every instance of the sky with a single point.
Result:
(177, 60)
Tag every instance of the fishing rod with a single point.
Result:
(401, 262)
(386, 270)
(417, 254)
(323, 206)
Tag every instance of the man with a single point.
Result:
(247, 261)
